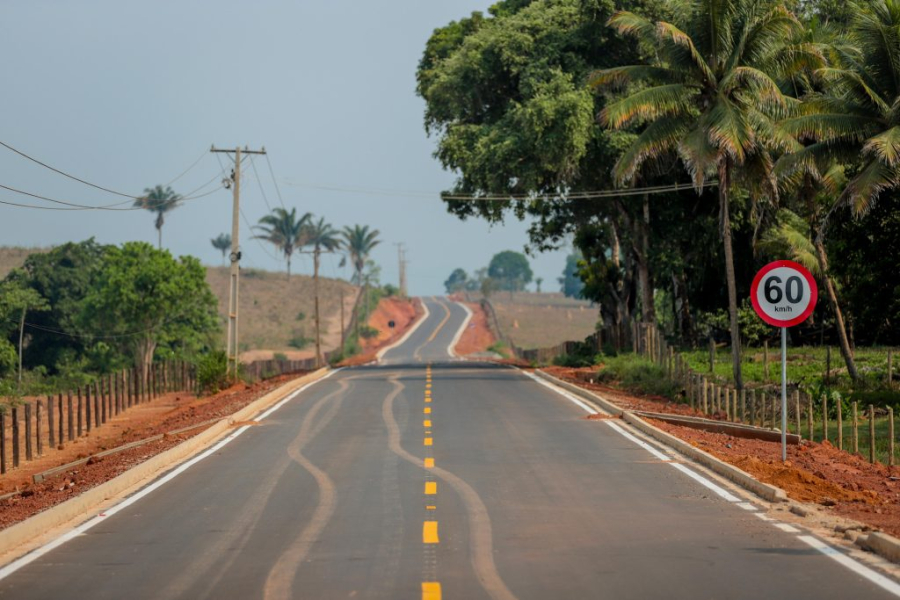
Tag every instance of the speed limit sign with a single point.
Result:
(784, 293)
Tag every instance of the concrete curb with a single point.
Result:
(22, 537)
(730, 472)
(882, 544)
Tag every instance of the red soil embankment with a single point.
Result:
(844, 484)
(477, 337)
(402, 311)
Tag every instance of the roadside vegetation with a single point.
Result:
(764, 131)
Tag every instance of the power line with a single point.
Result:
(275, 181)
(186, 171)
(259, 182)
(261, 245)
(117, 206)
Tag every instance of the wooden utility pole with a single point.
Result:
(401, 258)
(233, 348)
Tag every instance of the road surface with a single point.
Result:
(458, 480)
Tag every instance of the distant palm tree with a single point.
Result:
(358, 243)
(285, 231)
(159, 200)
(322, 237)
(222, 244)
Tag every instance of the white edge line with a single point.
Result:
(37, 553)
(861, 570)
(858, 568)
(381, 353)
(461, 331)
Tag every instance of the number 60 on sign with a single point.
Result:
(784, 293)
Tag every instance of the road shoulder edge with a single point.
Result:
(26, 536)
(882, 544)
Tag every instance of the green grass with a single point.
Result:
(637, 374)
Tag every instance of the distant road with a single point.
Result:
(461, 480)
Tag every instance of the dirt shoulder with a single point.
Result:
(404, 312)
(163, 415)
(841, 483)
(477, 337)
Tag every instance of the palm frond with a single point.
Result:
(648, 104)
(658, 138)
(617, 77)
(885, 146)
(863, 190)
(669, 32)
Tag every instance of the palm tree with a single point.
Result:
(222, 243)
(358, 243)
(856, 121)
(710, 98)
(323, 238)
(285, 231)
(159, 200)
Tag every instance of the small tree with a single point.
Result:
(222, 243)
(456, 282)
(538, 281)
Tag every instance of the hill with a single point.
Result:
(542, 320)
(14, 257)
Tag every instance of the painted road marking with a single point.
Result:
(786, 528)
(430, 488)
(427, 410)
(430, 532)
(427, 386)
(77, 531)
(431, 590)
(427, 399)
(746, 506)
(431, 507)
(427, 422)
(857, 567)
(429, 463)
(429, 441)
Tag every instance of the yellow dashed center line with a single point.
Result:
(431, 590)
(429, 463)
(427, 423)
(429, 441)
(430, 488)
(430, 532)
(427, 410)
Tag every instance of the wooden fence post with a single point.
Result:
(744, 405)
(87, 408)
(871, 434)
(797, 411)
(855, 428)
(840, 424)
(59, 405)
(51, 425)
(3, 443)
(824, 417)
(29, 451)
(809, 418)
(102, 394)
(97, 403)
(753, 407)
(71, 420)
(39, 443)
(890, 436)
(776, 412)
(763, 409)
(15, 436)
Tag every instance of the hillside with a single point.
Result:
(271, 307)
(543, 320)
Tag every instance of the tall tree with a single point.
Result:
(856, 121)
(285, 231)
(710, 98)
(456, 282)
(159, 200)
(322, 237)
(222, 243)
(510, 270)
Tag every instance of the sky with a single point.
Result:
(128, 95)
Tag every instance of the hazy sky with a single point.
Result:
(129, 94)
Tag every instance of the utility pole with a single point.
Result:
(401, 258)
(232, 349)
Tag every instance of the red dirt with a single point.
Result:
(404, 313)
(168, 413)
(842, 483)
(477, 337)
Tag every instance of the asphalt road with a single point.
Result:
(460, 480)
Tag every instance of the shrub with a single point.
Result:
(299, 341)
(637, 374)
(367, 332)
(280, 356)
(212, 371)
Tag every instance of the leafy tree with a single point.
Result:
(538, 281)
(16, 300)
(64, 276)
(285, 231)
(159, 200)
(570, 283)
(510, 270)
(222, 243)
(710, 98)
(456, 282)
(144, 299)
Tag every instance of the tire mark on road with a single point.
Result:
(480, 534)
(280, 581)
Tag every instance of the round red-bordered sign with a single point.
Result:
(784, 293)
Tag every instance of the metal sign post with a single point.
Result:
(784, 294)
